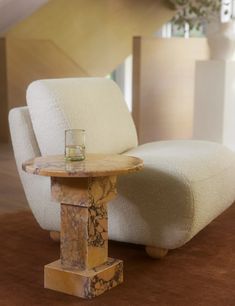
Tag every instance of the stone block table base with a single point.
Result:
(86, 284)
(84, 189)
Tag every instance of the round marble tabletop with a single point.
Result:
(94, 165)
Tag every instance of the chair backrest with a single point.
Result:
(93, 104)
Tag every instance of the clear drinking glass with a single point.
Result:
(74, 144)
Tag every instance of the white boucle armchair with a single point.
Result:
(184, 184)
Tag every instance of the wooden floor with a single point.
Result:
(12, 198)
(201, 273)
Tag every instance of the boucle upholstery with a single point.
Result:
(36, 188)
(93, 104)
(183, 187)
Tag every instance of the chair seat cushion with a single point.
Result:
(183, 187)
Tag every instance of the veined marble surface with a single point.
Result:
(94, 165)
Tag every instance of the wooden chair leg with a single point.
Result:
(55, 236)
(155, 252)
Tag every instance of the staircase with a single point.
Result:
(68, 39)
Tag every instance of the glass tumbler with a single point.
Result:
(74, 144)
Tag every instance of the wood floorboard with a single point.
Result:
(12, 197)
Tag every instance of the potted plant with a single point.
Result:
(206, 13)
(195, 12)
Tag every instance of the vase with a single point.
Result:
(221, 41)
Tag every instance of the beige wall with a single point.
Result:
(97, 35)
(3, 93)
(73, 38)
(163, 86)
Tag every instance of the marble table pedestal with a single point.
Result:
(84, 269)
(83, 189)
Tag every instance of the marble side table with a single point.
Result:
(83, 188)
